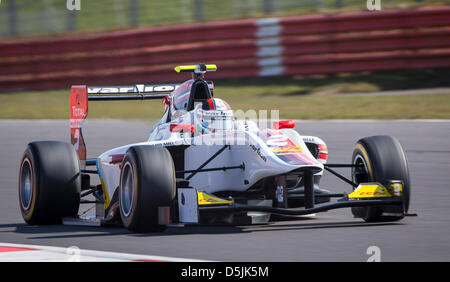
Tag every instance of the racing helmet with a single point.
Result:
(213, 115)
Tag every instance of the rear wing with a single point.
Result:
(130, 92)
(81, 94)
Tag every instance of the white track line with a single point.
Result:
(36, 253)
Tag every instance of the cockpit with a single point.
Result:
(193, 103)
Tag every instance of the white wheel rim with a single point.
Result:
(26, 184)
(360, 159)
(127, 189)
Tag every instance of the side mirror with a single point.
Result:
(180, 127)
(283, 124)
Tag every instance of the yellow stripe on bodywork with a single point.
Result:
(105, 194)
(206, 199)
(370, 190)
(287, 150)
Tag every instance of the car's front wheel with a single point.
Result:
(381, 159)
(147, 185)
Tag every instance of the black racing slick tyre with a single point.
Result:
(381, 159)
(49, 182)
(147, 184)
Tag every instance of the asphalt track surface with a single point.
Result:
(330, 236)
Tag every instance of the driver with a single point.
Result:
(212, 115)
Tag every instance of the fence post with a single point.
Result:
(267, 6)
(198, 10)
(12, 17)
(134, 18)
(71, 20)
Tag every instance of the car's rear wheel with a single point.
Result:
(49, 182)
(147, 185)
(381, 159)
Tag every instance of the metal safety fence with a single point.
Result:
(21, 18)
(321, 44)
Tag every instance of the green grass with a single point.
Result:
(318, 97)
(55, 105)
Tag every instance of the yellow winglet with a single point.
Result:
(370, 190)
(206, 199)
(196, 68)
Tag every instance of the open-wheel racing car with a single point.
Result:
(201, 165)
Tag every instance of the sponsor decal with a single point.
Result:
(78, 112)
(369, 190)
(309, 140)
(396, 189)
(132, 89)
(257, 150)
(375, 193)
(279, 194)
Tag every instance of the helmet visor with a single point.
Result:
(213, 121)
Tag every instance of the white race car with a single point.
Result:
(202, 165)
